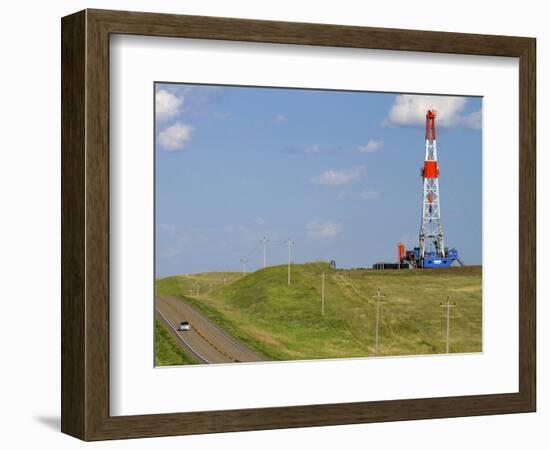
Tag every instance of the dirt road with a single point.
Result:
(205, 342)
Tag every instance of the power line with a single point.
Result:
(290, 244)
(263, 242)
(323, 294)
(447, 305)
(378, 296)
(244, 260)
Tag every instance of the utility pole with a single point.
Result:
(244, 260)
(378, 296)
(290, 244)
(323, 294)
(198, 287)
(263, 242)
(447, 305)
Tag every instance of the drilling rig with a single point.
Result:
(431, 251)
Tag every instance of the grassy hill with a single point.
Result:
(285, 322)
(167, 351)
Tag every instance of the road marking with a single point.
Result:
(214, 345)
(183, 339)
(218, 328)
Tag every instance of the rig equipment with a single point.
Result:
(431, 251)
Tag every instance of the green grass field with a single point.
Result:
(285, 323)
(167, 351)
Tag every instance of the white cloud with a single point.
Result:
(472, 120)
(339, 177)
(322, 230)
(369, 194)
(280, 119)
(310, 149)
(167, 105)
(175, 137)
(411, 110)
(371, 146)
(260, 221)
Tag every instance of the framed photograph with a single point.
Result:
(272, 225)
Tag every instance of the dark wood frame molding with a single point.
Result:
(85, 224)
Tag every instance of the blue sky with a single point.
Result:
(337, 172)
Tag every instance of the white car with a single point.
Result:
(184, 326)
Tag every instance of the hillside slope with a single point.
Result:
(285, 323)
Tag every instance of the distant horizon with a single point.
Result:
(337, 172)
(292, 264)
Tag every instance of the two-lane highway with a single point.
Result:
(206, 341)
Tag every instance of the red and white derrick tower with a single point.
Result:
(431, 231)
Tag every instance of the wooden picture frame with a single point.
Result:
(85, 224)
